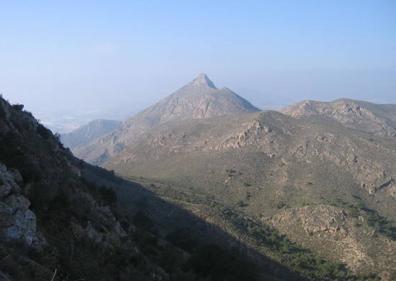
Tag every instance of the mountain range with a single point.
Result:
(320, 173)
(202, 186)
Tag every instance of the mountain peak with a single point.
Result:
(203, 80)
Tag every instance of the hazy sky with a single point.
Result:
(83, 56)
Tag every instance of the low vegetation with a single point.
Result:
(358, 209)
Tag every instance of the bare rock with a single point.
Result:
(8, 181)
(17, 221)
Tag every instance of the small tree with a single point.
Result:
(18, 107)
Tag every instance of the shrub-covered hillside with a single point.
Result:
(56, 224)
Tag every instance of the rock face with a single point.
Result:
(89, 132)
(200, 99)
(17, 221)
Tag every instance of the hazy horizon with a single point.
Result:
(90, 60)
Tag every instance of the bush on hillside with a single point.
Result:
(18, 107)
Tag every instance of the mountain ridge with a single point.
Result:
(266, 164)
(89, 132)
(360, 115)
(336, 158)
(199, 99)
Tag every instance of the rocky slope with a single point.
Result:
(89, 132)
(18, 222)
(212, 153)
(346, 237)
(265, 165)
(54, 225)
(199, 99)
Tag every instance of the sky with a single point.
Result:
(113, 58)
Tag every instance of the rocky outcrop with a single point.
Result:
(17, 222)
(252, 133)
(363, 116)
(316, 220)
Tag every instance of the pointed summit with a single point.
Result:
(203, 80)
(199, 99)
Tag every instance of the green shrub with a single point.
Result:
(18, 107)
